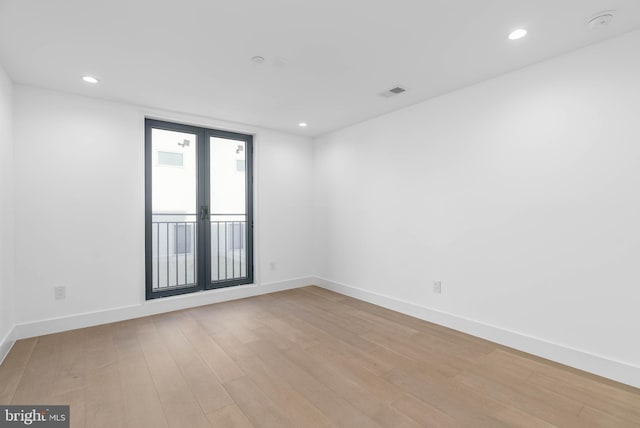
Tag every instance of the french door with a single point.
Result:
(199, 210)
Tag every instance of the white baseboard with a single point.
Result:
(6, 343)
(153, 307)
(602, 366)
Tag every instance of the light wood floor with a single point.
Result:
(302, 358)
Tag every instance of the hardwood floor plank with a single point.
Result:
(292, 404)
(76, 399)
(202, 381)
(338, 411)
(517, 418)
(209, 350)
(105, 406)
(598, 393)
(624, 405)
(69, 382)
(381, 324)
(325, 294)
(546, 405)
(143, 407)
(180, 406)
(229, 417)
(328, 327)
(71, 367)
(13, 367)
(464, 405)
(329, 310)
(302, 358)
(373, 401)
(420, 325)
(100, 350)
(36, 383)
(349, 367)
(258, 408)
(448, 366)
(597, 417)
(423, 413)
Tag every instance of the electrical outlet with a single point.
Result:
(437, 287)
(59, 293)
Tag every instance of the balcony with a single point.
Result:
(175, 247)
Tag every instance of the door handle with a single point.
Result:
(204, 212)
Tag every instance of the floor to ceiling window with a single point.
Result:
(199, 213)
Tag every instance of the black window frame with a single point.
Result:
(203, 232)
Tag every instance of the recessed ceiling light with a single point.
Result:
(302, 124)
(90, 79)
(517, 34)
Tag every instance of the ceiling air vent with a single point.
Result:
(393, 92)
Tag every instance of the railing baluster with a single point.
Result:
(175, 234)
(233, 249)
(195, 250)
(218, 249)
(226, 249)
(158, 254)
(186, 281)
(168, 278)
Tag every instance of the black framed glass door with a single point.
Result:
(199, 211)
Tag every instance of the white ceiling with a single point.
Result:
(326, 60)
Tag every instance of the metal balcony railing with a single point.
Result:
(175, 249)
(228, 247)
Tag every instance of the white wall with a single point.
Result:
(6, 212)
(79, 168)
(521, 194)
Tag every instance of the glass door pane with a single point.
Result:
(229, 209)
(199, 211)
(174, 207)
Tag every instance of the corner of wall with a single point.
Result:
(7, 217)
(6, 343)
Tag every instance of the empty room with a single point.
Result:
(320, 213)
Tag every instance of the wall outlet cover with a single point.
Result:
(60, 292)
(437, 287)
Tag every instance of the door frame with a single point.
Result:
(203, 235)
(248, 140)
